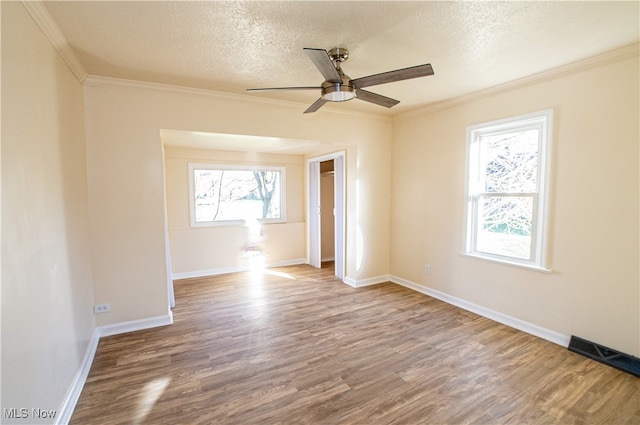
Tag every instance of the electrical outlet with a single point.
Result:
(427, 269)
(101, 308)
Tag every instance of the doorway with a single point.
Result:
(326, 202)
(327, 210)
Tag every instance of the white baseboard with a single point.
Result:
(530, 328)
(359, 283)
(135, 325)
(73, 394)
(235, 269)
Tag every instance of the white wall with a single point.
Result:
(593, 290)
(47, 289)
(126, 191)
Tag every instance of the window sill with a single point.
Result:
(235, 223)
(508, 263)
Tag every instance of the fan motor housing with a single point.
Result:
(338, 92)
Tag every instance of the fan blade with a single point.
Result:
(315, 106)
(323, 62)
(378, 99)
(284, 88)
(391, 76)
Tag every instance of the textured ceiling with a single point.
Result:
(232, 46)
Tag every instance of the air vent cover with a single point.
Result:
(625, 362)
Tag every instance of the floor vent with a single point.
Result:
(625, 362)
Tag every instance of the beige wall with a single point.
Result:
(206, 250)
(126, 182)
(594, 288)
(47, 289)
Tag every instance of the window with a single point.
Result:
(228, 194)
(507, 178)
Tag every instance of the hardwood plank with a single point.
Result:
(295, 345)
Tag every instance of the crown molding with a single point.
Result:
(616, 55)
(40, 15)
(111, 82)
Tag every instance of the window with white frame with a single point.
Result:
(507, 185)
(230, 194)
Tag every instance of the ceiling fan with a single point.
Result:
(339, 87)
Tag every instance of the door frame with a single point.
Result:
(313, 211)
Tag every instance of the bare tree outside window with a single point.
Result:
(505, 207)
(507, 179)
(267, 182)
(229, 194)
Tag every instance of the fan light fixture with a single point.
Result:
(338, 93)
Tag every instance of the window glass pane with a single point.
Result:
(504, 225)
(508, 178)
(509, 161)
(228, 194)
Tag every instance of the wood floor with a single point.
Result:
(294, 345)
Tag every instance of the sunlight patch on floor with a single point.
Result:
(151, 393)
(279, 274)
